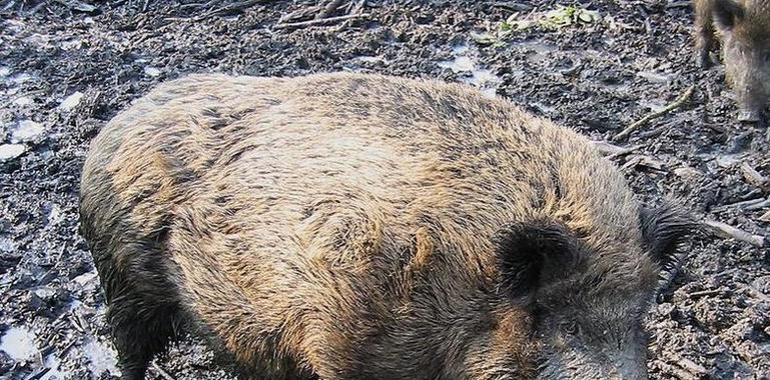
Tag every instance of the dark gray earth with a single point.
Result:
(67, 67)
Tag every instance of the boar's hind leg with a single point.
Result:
(143, 313)
(139, 336)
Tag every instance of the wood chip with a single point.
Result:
(754, 178)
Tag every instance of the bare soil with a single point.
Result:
(67, 67)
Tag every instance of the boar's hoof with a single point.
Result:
(703, 59)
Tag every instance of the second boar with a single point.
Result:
(744, 28)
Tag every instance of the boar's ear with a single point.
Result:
(663, 228)
(727, 13)
(534, 252)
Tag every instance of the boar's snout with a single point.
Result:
(627, 364)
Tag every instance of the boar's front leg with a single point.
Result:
(705, 40)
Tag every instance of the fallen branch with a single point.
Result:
(758, 206)
(161, 372)
(679, 4)
(645, 161)
(765, 217)
(301, 13)
(625, 151)
(671, 106)
(230, 8)
(742, 204)
(755, 178)
(728, 231)
(606, 148)
(702, 293)
(303, 24)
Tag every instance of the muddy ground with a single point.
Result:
(67, 67)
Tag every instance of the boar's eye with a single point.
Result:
(534, 252)
(663, 229)
(727, 13)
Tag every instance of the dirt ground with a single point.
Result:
(67, 67)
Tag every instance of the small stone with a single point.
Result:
(72, 45)
(727, 161)
(23, 101)
(35, 302)
(11, 151)
(21, 78)
(688, 172)
(45, 293)
(654, 77)
(762, 284)
(71, 101)
(27, 130)
(151, 71)
(85, 278)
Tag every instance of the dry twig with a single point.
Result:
(758, 206)
(161, 372)
(729, 231)
(671, 106)
(606, 148)
(234, 7)
(742, 204)
(625, 151)
(702, 293)
(679, 4)
(329, 20)
(755, 178)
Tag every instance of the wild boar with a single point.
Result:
(744, 28)
(350, 226)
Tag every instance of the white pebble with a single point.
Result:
(23, 101)
(151, 71)
(27, 130)
(71, 101)
(11, 151)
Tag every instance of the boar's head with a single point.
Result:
(588, 307)
(745, 29)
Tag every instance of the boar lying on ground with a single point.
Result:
(744, 26)
(346, 226)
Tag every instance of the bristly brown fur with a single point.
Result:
(348, 226)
